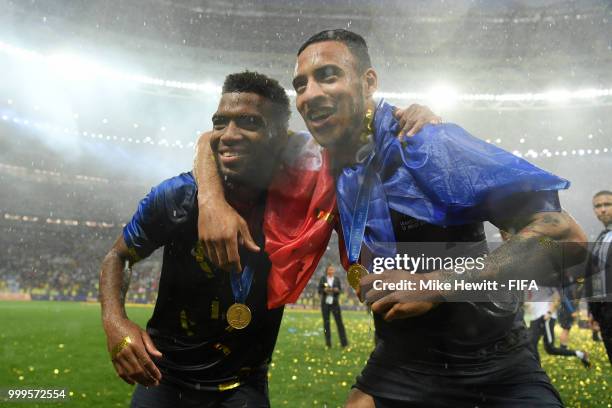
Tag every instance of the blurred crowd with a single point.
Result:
(59, 262)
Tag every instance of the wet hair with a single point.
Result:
(354, 42)
(254, 82)
(602, 192)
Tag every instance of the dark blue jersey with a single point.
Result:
(188, 324)
(473, 335)
(459, 353)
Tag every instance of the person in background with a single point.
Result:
(330, 289)
(542, 307)
(599, 271)
(568, 310)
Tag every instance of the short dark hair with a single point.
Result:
(354, 42)
(254, 82)
(602, 192)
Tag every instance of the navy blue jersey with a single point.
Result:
(470, 335)
(458, 353)
(188, 325)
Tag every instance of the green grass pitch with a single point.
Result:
(62, 345)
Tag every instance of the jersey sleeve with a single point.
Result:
(525, 204)
(168, 206)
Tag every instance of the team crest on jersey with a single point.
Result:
(409, 223)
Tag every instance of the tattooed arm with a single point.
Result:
(133, 360)
(542, 246)
(114, 281)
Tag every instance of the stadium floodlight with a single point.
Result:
(514, 97)
(556, 96)
(442, 96)
(406, 96)
(73, 67)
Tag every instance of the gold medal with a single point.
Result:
(354, 275)
(238, 316)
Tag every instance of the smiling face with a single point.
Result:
(242, 136)
(331, 93)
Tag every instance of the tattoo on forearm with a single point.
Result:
(125, 282)
(550, 223)
(551, 219)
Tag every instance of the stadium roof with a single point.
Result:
(529, 44)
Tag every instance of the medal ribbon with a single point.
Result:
(354, 235)
(241, 284)
(443, 176)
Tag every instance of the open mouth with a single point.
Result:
(320, 115)
(231, 156)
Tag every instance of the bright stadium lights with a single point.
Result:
(557, 96)
(448, 95)
(73, 67)
(442, 96)
(178, 144)
(92, 135)
(58, 221)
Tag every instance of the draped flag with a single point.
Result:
(443, 176)
(299, 218)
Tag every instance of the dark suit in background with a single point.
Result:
(332, 306)
(599, 285)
